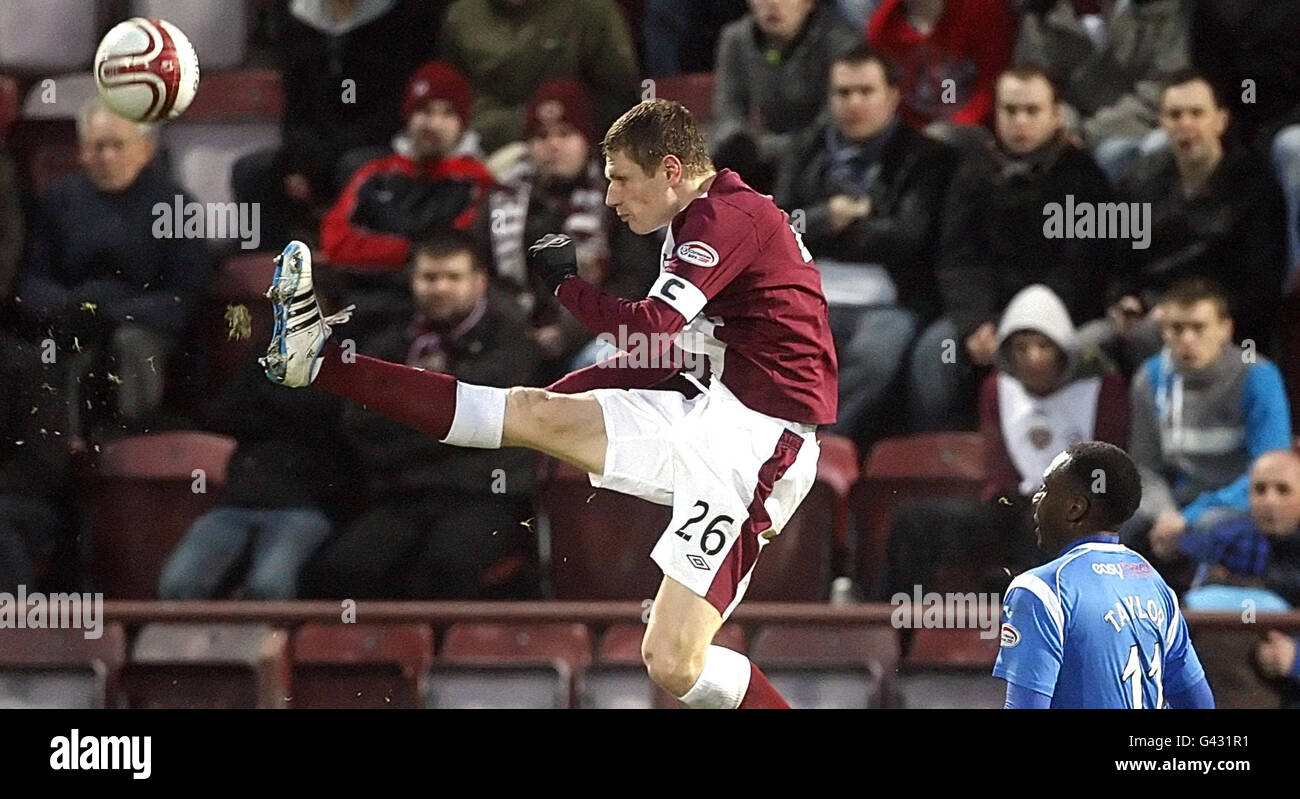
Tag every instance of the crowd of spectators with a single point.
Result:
(950, 165)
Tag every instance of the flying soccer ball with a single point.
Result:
(146, 70)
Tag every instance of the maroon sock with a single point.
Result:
(760, 693)
(423, 400)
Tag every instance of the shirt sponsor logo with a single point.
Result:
(1010, 636)
(698, 253)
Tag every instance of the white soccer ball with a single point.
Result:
(146, 70)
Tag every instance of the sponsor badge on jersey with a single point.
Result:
(1010, 635)
(698, 253)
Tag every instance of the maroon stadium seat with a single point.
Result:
(951, 668)
(619, 679)
(9, 104)
(562, 648)
(60, 667)
(910, 467)
(141, 500)
(839, 468)
(953, 647)
(600, 540)
(248, 95)
(816, 666)
(44, 150)
(621, 643)
(569, 643)
(694, 91)
(207, 666)
(360, 665)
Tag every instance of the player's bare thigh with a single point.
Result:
(570, 427)
(682, 625)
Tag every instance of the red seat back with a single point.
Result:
(141, 500)
(360, 665)
(695, 91)
(910, 467)
(569, 643)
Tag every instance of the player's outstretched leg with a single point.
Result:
(681, 659)
(571, 428)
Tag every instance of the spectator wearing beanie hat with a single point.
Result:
(432, 182)
(559, 187)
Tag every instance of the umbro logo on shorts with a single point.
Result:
(698, 562)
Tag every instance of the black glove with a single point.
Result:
(554, 259)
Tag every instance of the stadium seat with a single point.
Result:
(951, 668)
(218, 29)
(600, 540)
(474, 642)
(46, 35)
(1288, 353)
(829, 687)
(61, 100)
(796, 565)
(618, 678)
(693, 91)
(203, 153)
(250, 95)
(817, 666)
(8, 105)
(207, 666)
(1228, 657)
(565, 646)
(621, 643)
(360, 665)
(499, 686)
(141, 499)
(909, 467)
(49, 668)
(839, 468)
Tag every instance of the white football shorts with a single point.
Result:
(732, 475)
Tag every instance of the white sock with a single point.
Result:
(722, 683)
(480, 417)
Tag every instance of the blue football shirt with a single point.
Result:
(1096, 628)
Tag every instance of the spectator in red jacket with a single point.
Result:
(1044, 396)
(949, 54)
(411, 195)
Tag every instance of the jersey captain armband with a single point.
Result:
(680, 294)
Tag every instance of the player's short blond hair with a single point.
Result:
(656, 128)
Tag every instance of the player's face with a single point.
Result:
(1193, 122)
(861, 101)
(642, 201)
(1196, 334)
(434, 128)
(1027, 117)
(559, 151)
(1036, 361)
(446, 289)
(780, 18)
(113, 152)
(1052, 502)
(1275, 493)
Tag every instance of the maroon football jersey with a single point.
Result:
(735, 269)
